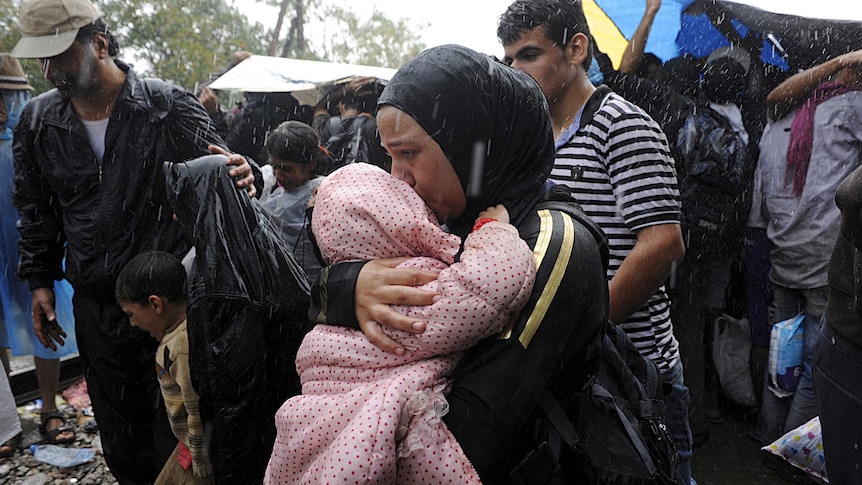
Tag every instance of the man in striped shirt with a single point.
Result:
(615, 160)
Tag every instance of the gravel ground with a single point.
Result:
(24, 469)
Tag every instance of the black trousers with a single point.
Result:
(119, 365)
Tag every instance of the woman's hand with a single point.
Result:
(379, 285)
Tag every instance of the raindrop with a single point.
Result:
(477, 168)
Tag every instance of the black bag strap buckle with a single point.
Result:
(538, 467)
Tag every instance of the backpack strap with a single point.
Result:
(573, 209)
(561, 424)
(158, 96)
(594, 103)
(561, 429)
(600, 392)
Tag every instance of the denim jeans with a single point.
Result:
(677, 402)
(838, 380)
(780, 415)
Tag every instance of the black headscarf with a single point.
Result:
(471, 103)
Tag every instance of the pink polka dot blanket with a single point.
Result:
(366, 416)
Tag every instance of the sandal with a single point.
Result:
(11, 446)
(86, 421)
(50, 436)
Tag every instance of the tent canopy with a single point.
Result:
(305, 79)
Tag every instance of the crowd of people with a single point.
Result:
(376, 288)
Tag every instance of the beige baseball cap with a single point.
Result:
(48, 27)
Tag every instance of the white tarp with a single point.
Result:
(264, 74)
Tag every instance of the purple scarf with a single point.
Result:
(802, 133)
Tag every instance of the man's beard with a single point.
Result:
(84, 83)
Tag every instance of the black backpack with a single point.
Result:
(345, 146)
(715, 179)
(609, 430)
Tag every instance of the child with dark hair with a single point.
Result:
(151, 290)
(290, 179)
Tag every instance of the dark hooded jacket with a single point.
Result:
(260, 113)
(247, 307)
(107, 211)
(493, 124)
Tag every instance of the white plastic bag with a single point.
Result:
(62, 457)
(731, 353)
(785, 355)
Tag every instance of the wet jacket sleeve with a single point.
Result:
(327, 308)
(40, 223)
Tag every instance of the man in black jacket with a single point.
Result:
(89, 186)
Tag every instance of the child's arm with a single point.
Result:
(179, 370)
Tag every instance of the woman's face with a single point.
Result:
(291, 175)
(418, 160)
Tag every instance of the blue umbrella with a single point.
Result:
(682, 27)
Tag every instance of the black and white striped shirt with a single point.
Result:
(619, 169)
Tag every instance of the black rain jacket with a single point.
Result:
(247, 314)
(106, 211)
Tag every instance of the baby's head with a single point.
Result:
(151, 290)
(362, 212)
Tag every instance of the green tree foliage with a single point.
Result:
(376, 40)
(8, 28)
(181, 40)
(292, 18)
(186, 40)
(9, 36)
(324, 30)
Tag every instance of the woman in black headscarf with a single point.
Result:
(491, 122)
(468, 132)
